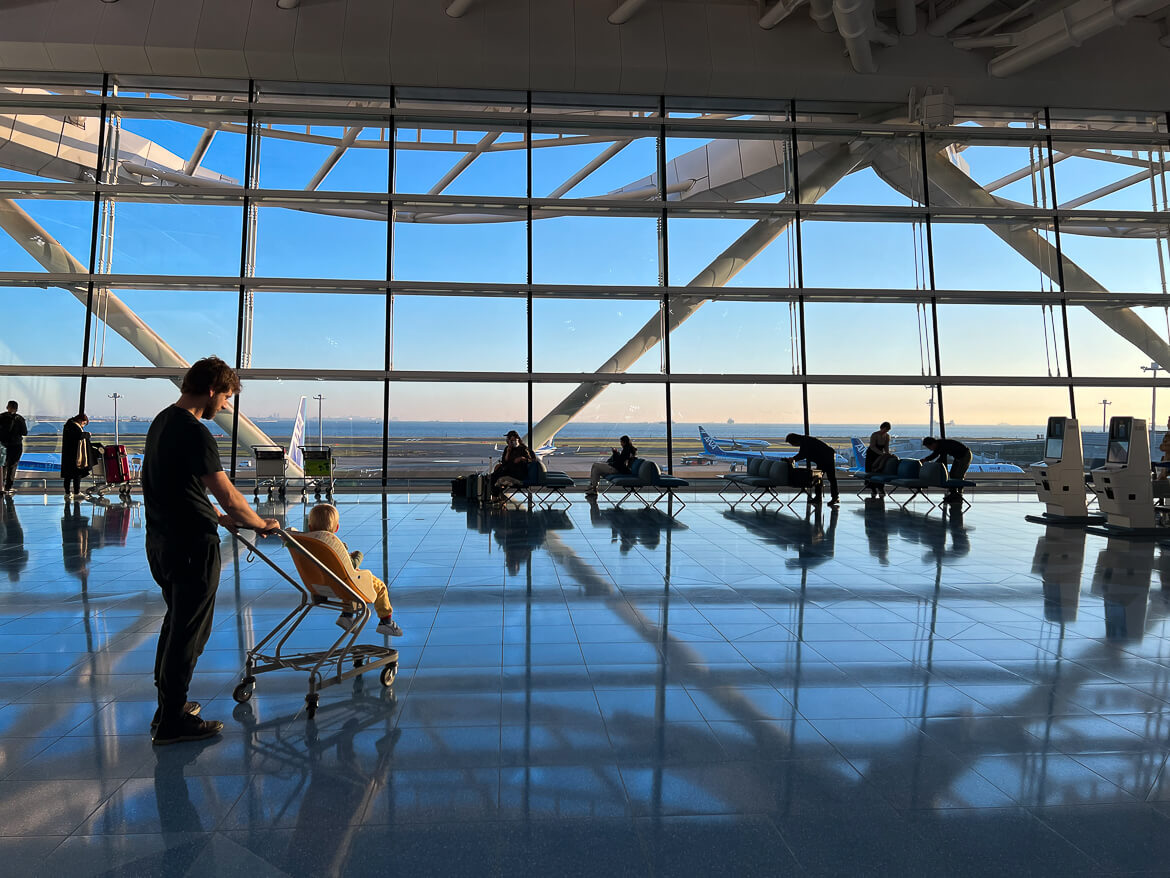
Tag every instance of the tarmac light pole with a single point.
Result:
(1155, 368)
(1104, 403)
(117, 396)
(320, 432)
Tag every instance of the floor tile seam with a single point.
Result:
(121, 782)
(1037, 813)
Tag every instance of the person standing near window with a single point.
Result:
(13, 429)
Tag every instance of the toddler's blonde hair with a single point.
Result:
(323, 516)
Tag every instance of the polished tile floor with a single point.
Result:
(613, 692)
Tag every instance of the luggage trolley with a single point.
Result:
(318, 466)
(271, 466)
(321, 584)
(114, 472)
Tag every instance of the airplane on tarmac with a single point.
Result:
(549, 447)
(979, 465)
(742, 450)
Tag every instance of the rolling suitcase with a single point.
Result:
(117, 465)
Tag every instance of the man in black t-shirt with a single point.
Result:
(13, 429)
(180, 465)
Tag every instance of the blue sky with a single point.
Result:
(346, 331)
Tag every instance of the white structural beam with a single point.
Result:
(351, 134)
(1108, 189)
(951, 187)
(465, 162)
(833, 165)
(1069, 27)
(456, 8)
(626, 11)
(596, 162)
(49, 252)
(201, 148)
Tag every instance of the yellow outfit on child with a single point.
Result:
(371, 587)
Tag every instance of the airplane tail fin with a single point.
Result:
(858, 453)
(708, 443)
(298, 436)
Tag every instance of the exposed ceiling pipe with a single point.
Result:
(821, 11)
(456, 8)
(626, 11)
(955, 16)
(779, 11)
(1072, 34)
(907, 12)
(991, 41)
(856, 23)
(982, 26)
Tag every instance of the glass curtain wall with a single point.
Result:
(405, 275)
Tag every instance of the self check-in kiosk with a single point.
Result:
(1124, 488)
(1060, 478)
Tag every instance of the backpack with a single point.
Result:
(7, 421)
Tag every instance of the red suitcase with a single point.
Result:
(117, 465)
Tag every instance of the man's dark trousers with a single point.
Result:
(188, 574)
(12, 455)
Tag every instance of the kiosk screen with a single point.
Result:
(1119, 430)
(1054, 446)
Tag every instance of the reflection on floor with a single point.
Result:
(607, 691)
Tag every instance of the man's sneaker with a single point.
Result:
(834, 502)
(186, 728)
(191, 707)
(590, 493)
(389, 627)
(346, 621)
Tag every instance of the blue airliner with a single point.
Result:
(744, 450)
(976, 468)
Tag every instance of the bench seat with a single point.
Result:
(646, 482)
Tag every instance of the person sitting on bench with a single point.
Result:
(513, 462)
(619, 462)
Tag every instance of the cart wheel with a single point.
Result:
(359, 661)
(282, 493)
(311, 705)
(388, 674)
(243, 692)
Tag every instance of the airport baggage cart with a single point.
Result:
(319, 588)
(318, 466)
(114, 472)
(117, 465)
(271, 469)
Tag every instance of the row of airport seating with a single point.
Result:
(918, 477)
(645, 481)
(766, 480)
